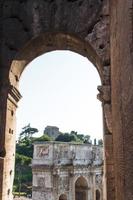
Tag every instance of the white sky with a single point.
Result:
(59, 89)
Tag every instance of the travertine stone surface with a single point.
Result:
(66, 168)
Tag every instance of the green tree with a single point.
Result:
(25, 147)
(66, 137)
(44, 137)
(73, 133)
(27, 132)
(87, 139)
(23, 173)
(100, 142)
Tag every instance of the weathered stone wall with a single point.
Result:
(29, 28)
(23, 20)
(122, 95)
(57, 166)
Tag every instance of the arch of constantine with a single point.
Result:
(102, 31)
(67, 171)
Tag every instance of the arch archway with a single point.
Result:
(79, 73)
(63, 197)
(98, 196)
(71, 67)
(44, 43)
(81, 189)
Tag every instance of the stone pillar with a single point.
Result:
(3, 100)
(8, 104)
(122, 95)
(109, 191)
(71, 184)
(105, 97)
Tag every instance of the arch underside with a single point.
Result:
(49, 42)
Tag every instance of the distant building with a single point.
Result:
(66, 171)
(52, 131)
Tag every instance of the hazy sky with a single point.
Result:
(59, 89)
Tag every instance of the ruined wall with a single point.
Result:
(57, 166)
(29, 28)
(82, 26)
(21, 20)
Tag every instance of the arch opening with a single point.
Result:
(98, 196)
(63, 197)
(44, 90)
(81, 189)
(62, 79)
(46, 43)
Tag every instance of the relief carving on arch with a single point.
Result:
(63, 183)
(41, 182)
(98, 179)
(43, 151)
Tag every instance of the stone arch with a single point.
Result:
(81, 188)
(100, 23)
(49, 42)
(98, 195)
(63, 197)
(83, 178)
(46, 42)
(37, 46)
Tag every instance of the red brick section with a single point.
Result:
(109, 168)
(122, 95)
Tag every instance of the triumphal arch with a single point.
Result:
(67, 171)
(102, 31)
